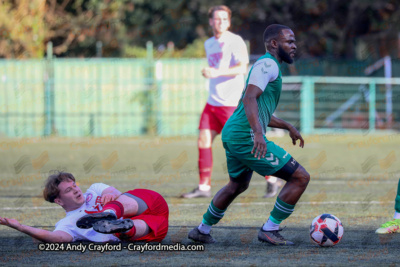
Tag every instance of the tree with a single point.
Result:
(324, 28)
(22, 29)
(74, 27)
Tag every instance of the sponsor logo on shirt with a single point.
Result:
(266, 66)
(89, 197)
(214, 59)
(98, 207)
(98, 201)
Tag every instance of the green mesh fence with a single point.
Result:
(99, 97)
(22, 98)
(132, 97)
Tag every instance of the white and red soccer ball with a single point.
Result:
(326, 230)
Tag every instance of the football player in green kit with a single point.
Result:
(247, 148)
(392, 226)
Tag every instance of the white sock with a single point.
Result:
(204, 228)
(396, 215)
(204, 187)
(272, 179)
(270, 226)
(109, 210)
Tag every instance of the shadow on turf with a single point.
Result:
(237, 245)
(354, 238)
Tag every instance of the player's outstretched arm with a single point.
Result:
(240, 68)
(251, 110)
(293, 132)
(39, 234)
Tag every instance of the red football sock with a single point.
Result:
(115, 206)
(205, 165)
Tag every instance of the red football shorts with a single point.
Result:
(214, 118)
(156, 216)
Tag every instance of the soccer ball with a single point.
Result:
(326, 230)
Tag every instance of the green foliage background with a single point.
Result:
(349, 29)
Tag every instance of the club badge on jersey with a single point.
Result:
(88, 198)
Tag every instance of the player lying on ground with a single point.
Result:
(392, 226)
(247, 148)
(137, 215)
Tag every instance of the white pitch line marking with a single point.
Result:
(234, 204)
(299, 203)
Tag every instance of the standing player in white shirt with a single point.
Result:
(228, 60)
(137, 215)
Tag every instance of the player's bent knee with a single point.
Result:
(237, 188)
(204, 141)
(306, 178)
(301, 176)
(243, 187)
(142, 229)
(201, 144)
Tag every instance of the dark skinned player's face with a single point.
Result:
(286, 46)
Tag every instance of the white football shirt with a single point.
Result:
(92, 203)
(225, 52)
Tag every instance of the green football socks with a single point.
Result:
(281, 211)
(213, 215)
